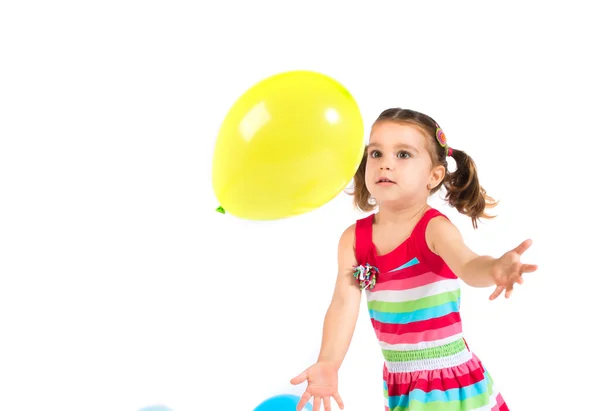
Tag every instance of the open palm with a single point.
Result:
(322, 380)
(508, 270)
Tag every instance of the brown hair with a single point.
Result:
(463, 191)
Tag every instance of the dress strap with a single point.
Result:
(364, 239)
(436, 263)
(419, 230)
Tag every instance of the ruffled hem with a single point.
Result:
(464, 387)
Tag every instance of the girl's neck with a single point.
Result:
(401, 215)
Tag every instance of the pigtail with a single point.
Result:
(463, 191)
(360, 192)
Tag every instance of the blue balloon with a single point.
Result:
(156, 408)
(284, 402)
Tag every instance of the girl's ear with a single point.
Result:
(437, 175)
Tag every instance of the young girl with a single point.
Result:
(408, 258)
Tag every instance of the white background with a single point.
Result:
(108, 116)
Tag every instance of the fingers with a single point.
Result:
(317, 404)
(508, 288)
(528, 268)
(303, 400)
(339, 401)
(496, 292)
(508, 292)
(299, 378)
(521, 248)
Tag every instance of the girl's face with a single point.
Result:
(399, 165)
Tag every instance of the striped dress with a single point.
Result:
(414, 310)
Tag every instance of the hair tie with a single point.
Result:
(449, 152)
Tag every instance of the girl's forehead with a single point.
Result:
(391, 134)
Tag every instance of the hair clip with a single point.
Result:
(441, 138)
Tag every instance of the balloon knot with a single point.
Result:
(220, 210)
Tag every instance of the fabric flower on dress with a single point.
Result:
(366, 275)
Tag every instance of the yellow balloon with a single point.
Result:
(289, 144)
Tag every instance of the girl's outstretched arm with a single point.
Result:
(341, 316)
(338, 327)
(445, 240)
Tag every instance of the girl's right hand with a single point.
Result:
(322, 380)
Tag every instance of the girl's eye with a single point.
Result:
(375, 154)
(404, 154)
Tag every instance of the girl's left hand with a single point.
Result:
(508, 269)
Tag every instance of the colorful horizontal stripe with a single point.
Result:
(430, 336)
(416, 326)
(420, 342)
(418, 315)
(425, 354)
(413, 294)
(405, 283)
(408, 306)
